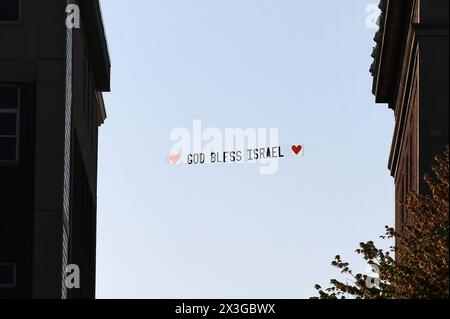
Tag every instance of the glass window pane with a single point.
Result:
(9, 96)
(7, 149)
(8, 124)
(9, 10)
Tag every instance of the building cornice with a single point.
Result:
(101, 114)
(389, 48)
(92, 21)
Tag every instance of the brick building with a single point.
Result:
(51, 83)
(410, 72)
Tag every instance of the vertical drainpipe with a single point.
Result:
(67, 158)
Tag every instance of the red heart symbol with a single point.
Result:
(297, 149)
(174, 159)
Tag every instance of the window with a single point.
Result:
(9, 10)
(9, 123)
(7, 275)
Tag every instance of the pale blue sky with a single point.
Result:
(225, 231)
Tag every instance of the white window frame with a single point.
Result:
(17, 112)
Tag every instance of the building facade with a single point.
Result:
(51, 106)
(410, 71)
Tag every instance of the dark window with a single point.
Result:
(9, 97)
(9, 122)
(7, 275)
(9, 10)
(8, 149)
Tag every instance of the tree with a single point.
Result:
(420, 266)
